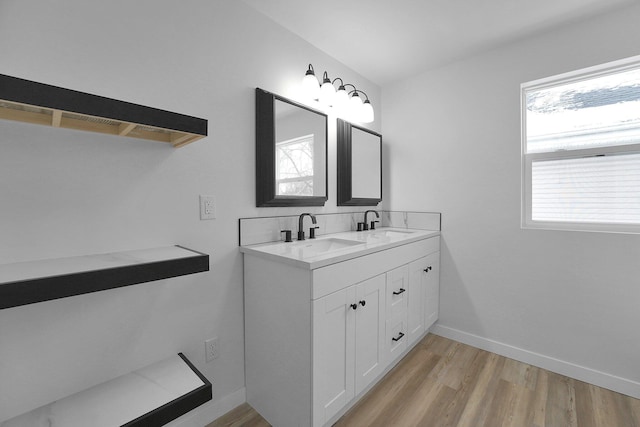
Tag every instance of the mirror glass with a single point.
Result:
(366, 176)
(291, 152)
(300, 151)
(359, 165)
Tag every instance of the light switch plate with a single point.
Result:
(211, 349)
(207, 207)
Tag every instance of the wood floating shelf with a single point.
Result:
(152, 396)
(38, 103)
(30, 282)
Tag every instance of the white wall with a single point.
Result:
(454, 140)
(65, 193)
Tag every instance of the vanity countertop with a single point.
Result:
(332, 248)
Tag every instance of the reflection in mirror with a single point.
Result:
(359, 166)
(291, 153)
(300, 151)
(365, 157)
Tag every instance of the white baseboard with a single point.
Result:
(210, 411)
(588, 375)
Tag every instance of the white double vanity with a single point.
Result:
(326, 318)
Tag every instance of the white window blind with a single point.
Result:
(603, 189)
(581, 149)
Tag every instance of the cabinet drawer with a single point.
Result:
(397, 291)
(342, 274)
(396, 339)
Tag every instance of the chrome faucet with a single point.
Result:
(300, 220)
(373, 223)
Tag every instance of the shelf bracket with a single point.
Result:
(56, 118)
(125, 128)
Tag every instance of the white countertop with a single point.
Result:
(349, 245)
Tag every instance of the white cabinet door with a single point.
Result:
(370, 316)
(416, 299)
(349, 350)
(432, 289)
(333, 353)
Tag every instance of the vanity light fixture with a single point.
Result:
(327, 91)
(342, 96)
(310, 84)
(366, 110)
(348, 105)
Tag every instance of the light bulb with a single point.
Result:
(310, 85)
(341, 100)
(355, 106)
(327, 91)
(367, 112)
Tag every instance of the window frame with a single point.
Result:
(527, 159)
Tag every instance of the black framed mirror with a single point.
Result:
(359, 165)
(291, 153)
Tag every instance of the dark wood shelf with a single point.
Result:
(152, 396)
(36, 281)
(38, 103)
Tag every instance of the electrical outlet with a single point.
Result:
(211, 349)
(207, 207)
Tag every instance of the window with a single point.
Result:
(581, 150)
(294, 166)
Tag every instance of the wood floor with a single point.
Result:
(446, 383)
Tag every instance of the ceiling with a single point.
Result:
(388, 40)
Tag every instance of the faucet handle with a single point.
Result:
(373, 225)
(287, 235)
(312, 232)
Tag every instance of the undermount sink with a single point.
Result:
(321, 246)
(311, 247)
(390, 233)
